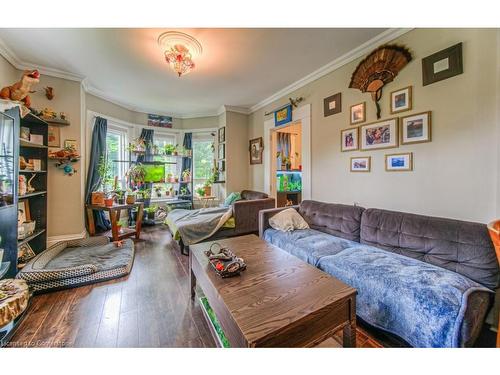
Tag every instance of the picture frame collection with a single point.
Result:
(386, 133)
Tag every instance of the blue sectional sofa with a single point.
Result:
(427, 280)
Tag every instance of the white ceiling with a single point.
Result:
(238, 67)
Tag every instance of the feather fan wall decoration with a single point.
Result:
(379, 68)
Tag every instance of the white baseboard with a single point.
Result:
(66, 237)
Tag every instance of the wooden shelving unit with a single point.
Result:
(37, 200)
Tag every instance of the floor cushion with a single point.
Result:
(79, 262)
(310, 245)
(422, 303)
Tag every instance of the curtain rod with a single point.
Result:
(293, 102)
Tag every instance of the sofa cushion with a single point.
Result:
(288, 220)
(252, 195)
(458, 246)
(422, 303)
(337, 219)
(307, 244)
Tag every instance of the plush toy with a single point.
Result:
(19, 91)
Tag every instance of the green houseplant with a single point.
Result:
(99, 191)
(169, 149)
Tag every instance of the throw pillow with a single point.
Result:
(288, 220)
(231, 198)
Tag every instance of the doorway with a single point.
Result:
(286, 164)
(301, 114)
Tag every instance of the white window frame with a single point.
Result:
(124, 133)
(201, 136)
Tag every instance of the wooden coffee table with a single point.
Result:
(278, 301)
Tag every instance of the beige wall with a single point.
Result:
(8, 74)
(455, 175)
(236, 152)
(200, 122)
(65, 211)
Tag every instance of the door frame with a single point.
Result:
(302, 115)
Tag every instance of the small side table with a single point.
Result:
(207, 201)
(114, 217)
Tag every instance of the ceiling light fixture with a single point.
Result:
(180, 51)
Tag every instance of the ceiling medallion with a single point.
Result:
(180, 51)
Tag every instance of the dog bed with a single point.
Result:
(79, 262)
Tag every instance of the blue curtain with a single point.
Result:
(97, 150)
(186, 162)
(147, 135)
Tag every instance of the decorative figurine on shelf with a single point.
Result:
(29, 187)
(64, 159)
(49, 92)
(25, 165)
(22, 185)
(48, 113)
(20, 90)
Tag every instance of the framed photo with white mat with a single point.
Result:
(416, 128)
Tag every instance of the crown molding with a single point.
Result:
(357, 52)
(352, 55)
(17, 63)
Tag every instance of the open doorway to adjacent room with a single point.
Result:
(286, 164)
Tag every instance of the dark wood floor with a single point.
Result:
(148, 308)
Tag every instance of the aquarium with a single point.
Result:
(154, 172)
(6, 160)
(290, 181)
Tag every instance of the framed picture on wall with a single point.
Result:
(416, 128)
(401, 100)
(54, 138)
(222, 150)
(399, 162)
(71, 143)
(332, 104)
(222, 134)
(255, 148)
(361, 164)
(441, 65)
(377, 135)
(358, 113)
(349, 139)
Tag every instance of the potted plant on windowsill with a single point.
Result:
(200, 191)
(186, 176)
(169, 149)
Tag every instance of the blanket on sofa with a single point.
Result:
(194, 226)
(417, 301)
(420, 302)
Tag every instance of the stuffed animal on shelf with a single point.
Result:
(20, 91)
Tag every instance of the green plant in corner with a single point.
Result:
(105, 174)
